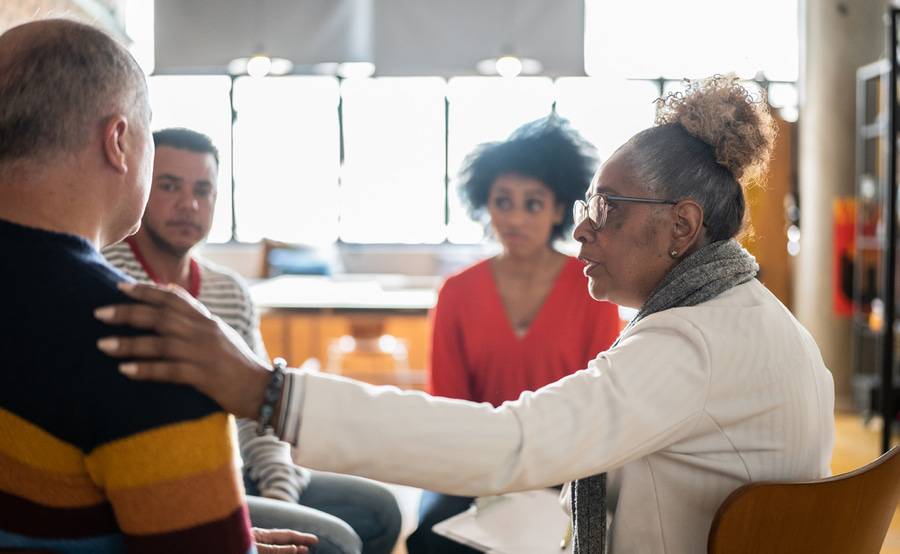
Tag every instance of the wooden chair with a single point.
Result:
(846, 514)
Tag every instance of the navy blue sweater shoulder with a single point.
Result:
(52, 373)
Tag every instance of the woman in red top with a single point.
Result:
(521, 319)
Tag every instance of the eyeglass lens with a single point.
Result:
(594, 209)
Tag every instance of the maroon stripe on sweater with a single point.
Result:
(25, 517)
(225, 536)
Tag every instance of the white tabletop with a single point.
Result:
(313, 292)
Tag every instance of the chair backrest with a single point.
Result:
(842, 514)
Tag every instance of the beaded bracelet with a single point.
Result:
(271, 395)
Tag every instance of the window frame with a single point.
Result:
(662, 84)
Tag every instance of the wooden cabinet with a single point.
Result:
(378, 347)
(368, 328)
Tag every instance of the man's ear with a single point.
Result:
(687, 225)
(114, 142)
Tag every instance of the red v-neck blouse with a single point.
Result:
(476, 354)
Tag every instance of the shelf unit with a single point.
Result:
(876, 343)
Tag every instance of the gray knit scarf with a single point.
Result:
(705, 274)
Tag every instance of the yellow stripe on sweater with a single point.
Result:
(166, 453)
(57, 490)
(27, 443)
(180, 503)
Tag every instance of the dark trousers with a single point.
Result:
(435, 508)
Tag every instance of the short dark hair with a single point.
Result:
(548, 150)
(186, 139)
(56, 83)
(710, 142)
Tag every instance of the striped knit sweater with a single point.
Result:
(223, 292)
(89, 460)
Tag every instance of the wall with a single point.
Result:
(837, 37)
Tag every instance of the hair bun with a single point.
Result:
(722, 113)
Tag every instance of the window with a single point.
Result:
(200, 103)
(287, 159)
(392, 184)
(290, 184)
(386, 169)
(661, 38)
(484, 109)
(606, 114)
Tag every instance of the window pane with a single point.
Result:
(785, 97)
(287, 158)
(139, 27)
(484, 109)
(606, 113)
(680, 85)
(653, 38)
(200, 103)
(392, 185)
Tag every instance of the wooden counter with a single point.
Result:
(307, 317)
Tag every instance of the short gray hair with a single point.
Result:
(57, 83)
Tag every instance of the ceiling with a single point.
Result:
(401, 37)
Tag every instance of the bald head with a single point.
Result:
(59, 80)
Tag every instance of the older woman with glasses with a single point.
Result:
(714, 384)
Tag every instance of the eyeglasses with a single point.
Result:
(596, 207)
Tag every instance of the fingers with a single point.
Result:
(284, 538)
(171, 297)
(188, 374)
(149, 347)
(142, 316)
(281, 549)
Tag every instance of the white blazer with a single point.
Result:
(691, 404)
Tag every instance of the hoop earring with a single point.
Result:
(673, 253)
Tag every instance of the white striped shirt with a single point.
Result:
(225, 295)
